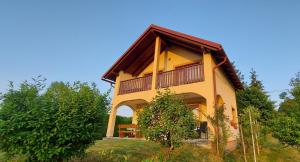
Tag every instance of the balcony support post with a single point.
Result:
(156, 62)
(111, 122)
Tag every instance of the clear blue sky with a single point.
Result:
(68, 40)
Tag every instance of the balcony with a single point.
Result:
(135, 85)
(180, 76)
(184, 75)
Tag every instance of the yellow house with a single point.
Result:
(195, 68)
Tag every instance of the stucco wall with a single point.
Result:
(226, 90)
(168, 60)
(172, 57)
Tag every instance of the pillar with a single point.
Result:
(156, 62)
(113, 113)
(111, 122)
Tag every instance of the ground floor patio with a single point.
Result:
(195, 102)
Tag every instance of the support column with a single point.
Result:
(113, 113)
(208, 73)
(156, 62)
(111, 122)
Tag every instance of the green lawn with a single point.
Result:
(136, 151)
(271, 151)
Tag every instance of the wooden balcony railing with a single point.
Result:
(184, 75)
(135, 85)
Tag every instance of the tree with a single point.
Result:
(244, 122)
(286, 130)
(291, 104)
(252, 96)
(254, 82)
(167, 120)
(295, 81)
(51, 125)
(239, 74)
(290, 108)
(286, 125)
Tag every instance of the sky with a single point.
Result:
(70, 40)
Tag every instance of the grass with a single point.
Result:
(271, 151)
(18, 158)
(136, 151)
(130, 150)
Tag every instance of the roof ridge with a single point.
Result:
(194, 38)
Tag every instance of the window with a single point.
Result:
(233, 112)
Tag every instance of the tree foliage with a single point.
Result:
(167, 120)
(295, 81)
(52, 124)
(286, 126)
(244, 121)
(291, 108)
(286, 130)
(254, 82)
(254, 95)
(291, 104)
(239, 74)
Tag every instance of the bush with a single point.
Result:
(286, 130)
(167, 120)
(51, 125)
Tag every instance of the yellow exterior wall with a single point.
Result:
(170, 58)
(203, 89)
(226, 91)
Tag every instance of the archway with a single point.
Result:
(220, 102)
(198, 105)
(124, 116)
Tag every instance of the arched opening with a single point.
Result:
(124, 117)
(197, 104)
(220, 102)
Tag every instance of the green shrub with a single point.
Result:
(52, 124)
(286, 130)
(167, 120)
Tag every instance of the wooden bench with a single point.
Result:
(129, 130)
